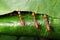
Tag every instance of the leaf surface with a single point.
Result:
(49, 7)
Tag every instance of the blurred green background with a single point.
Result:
(6, 37)
(50, 7)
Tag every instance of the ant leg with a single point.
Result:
(47, 22)
(22, 21)
(35, 21)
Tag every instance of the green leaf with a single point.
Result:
(49, 7)
(10, 25)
